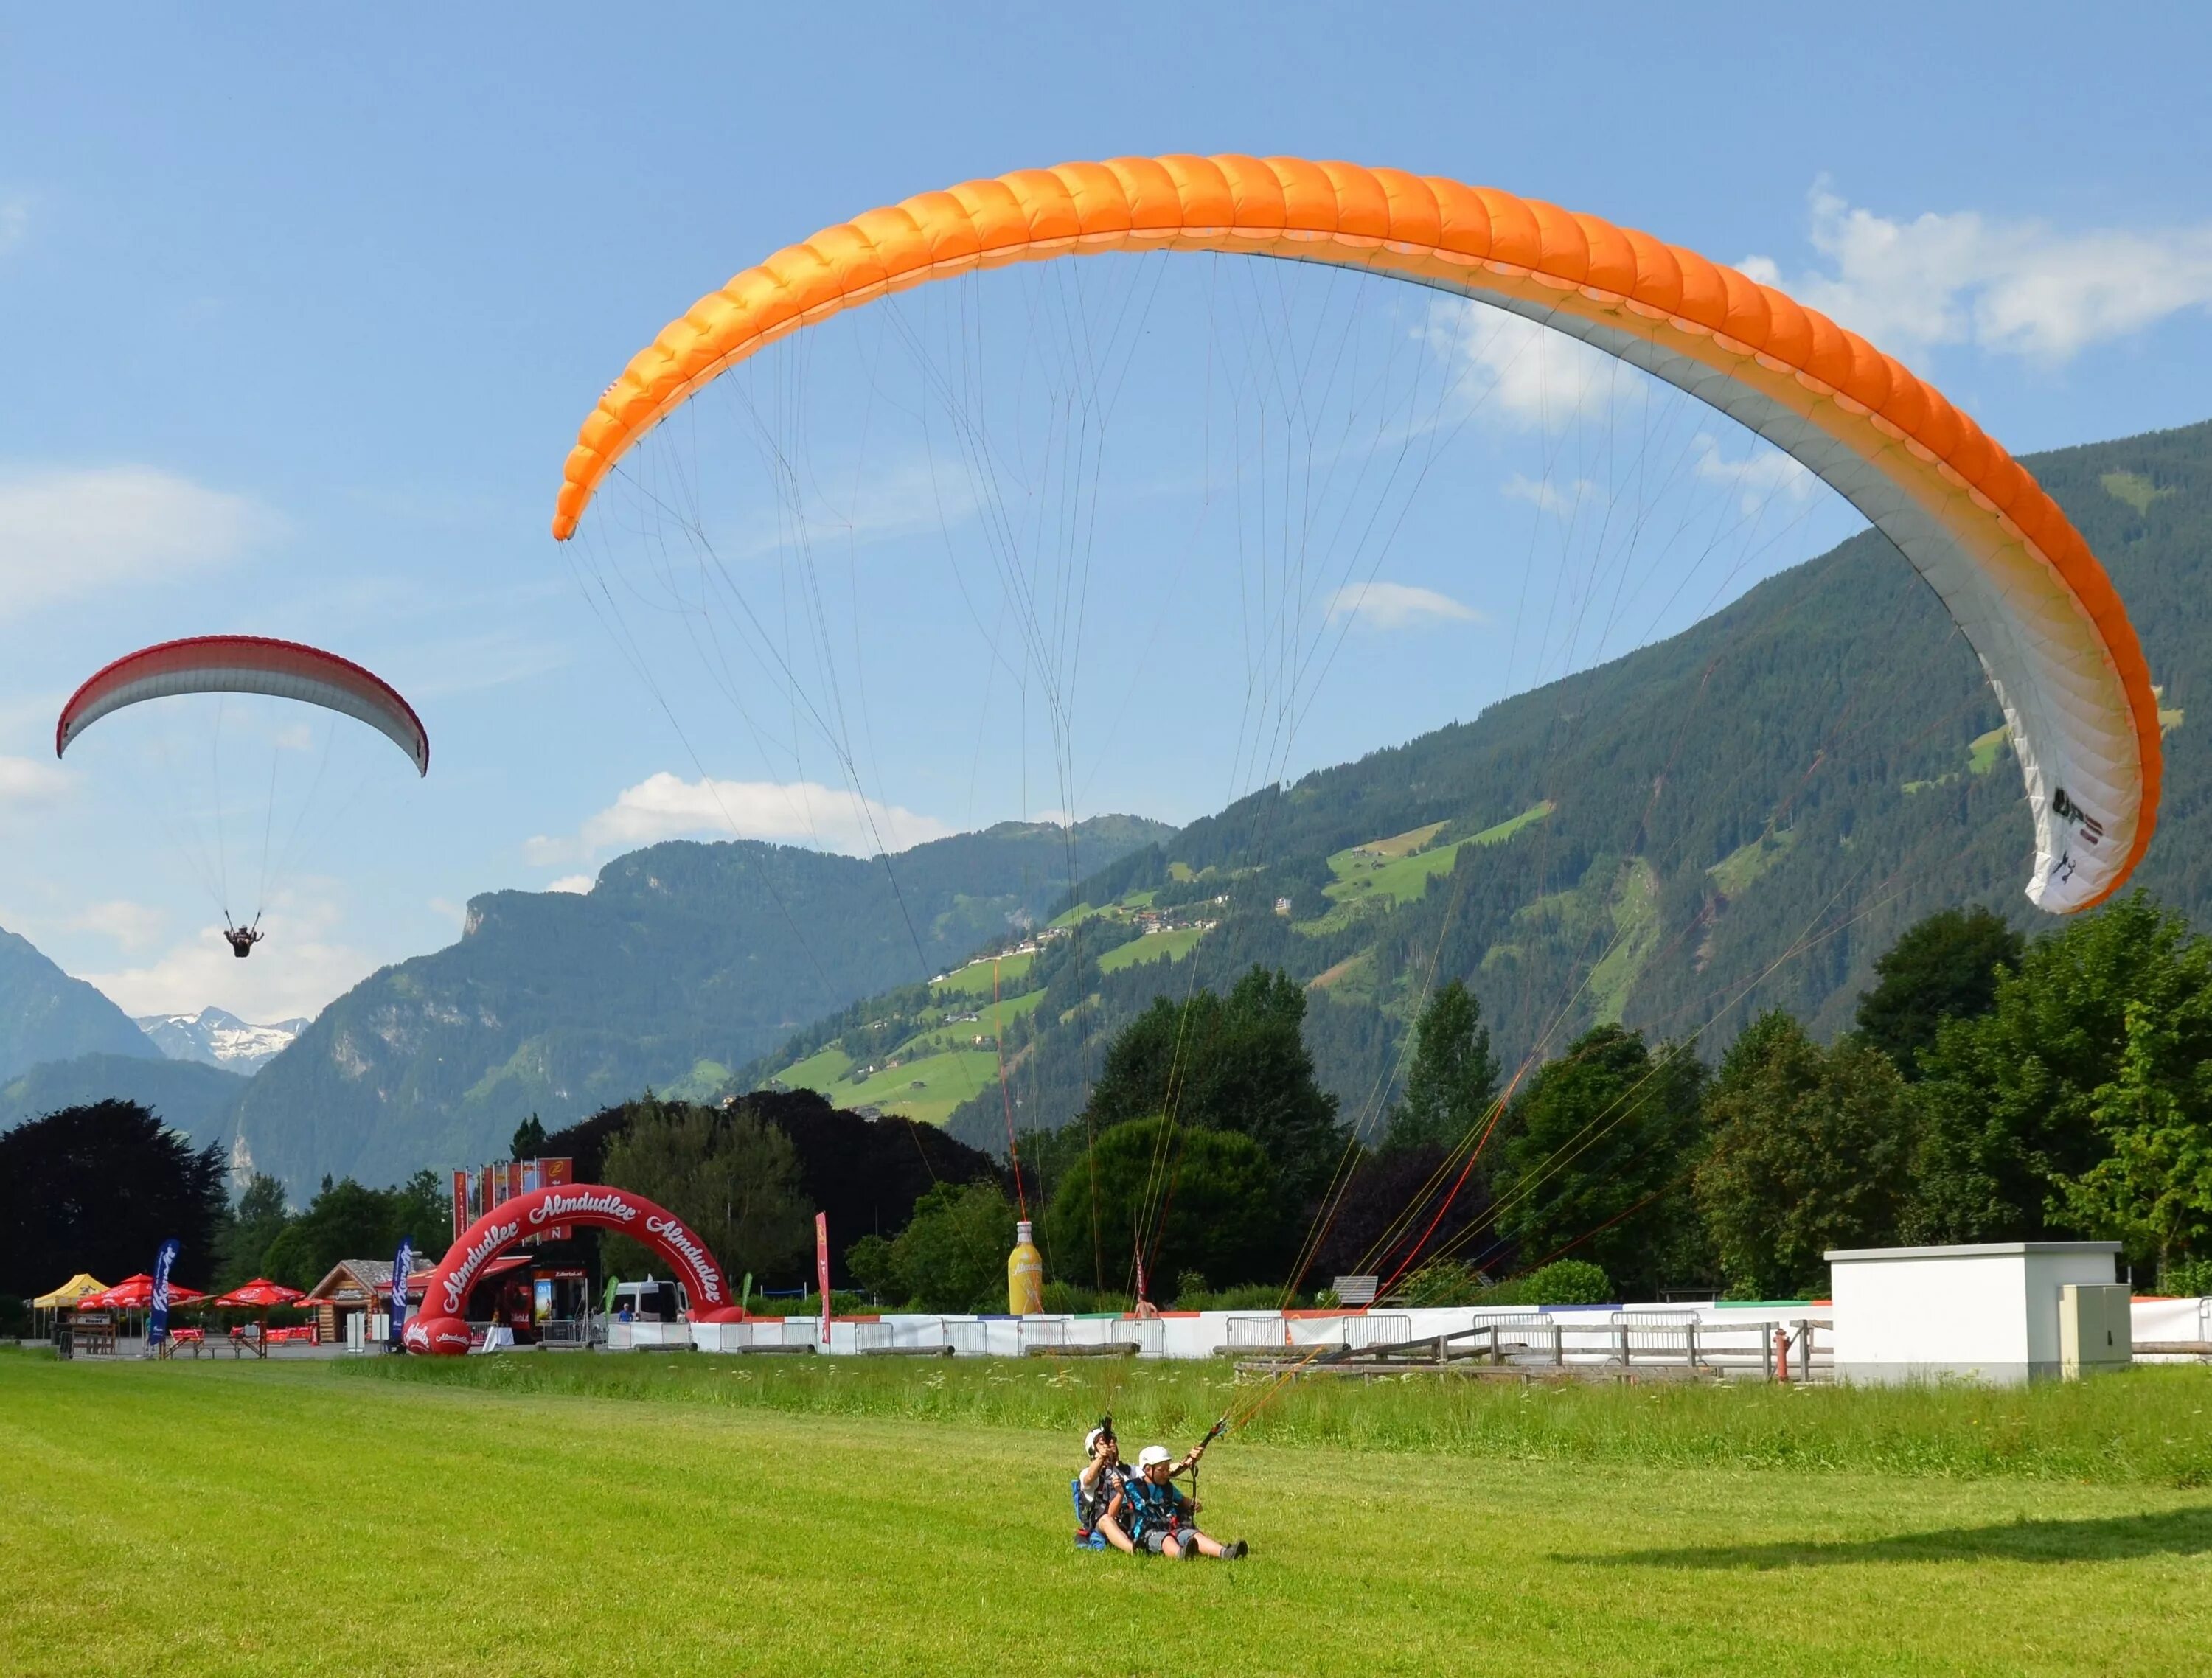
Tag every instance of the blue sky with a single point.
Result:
(302, 315)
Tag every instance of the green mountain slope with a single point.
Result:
(187, 1095)
(1740, 816)
(683, 960)
(46, 1015)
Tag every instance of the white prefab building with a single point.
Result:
(1991, 1312)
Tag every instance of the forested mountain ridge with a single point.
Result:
(683, 960)
(1742, 816)
(46, 1015)
(189, 1096)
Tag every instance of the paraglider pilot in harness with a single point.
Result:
(1144, 1513)
(1162, 1517)
(241, 939)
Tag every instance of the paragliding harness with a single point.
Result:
(1174, 1522)
(1086, 1537)
(241, 939)
(1087, 1511)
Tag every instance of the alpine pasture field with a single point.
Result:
(680, 1515)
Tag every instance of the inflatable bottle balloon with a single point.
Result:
(1025, 1274)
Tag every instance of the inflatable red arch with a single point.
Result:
(442, 1329)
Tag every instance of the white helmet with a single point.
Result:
(1092, 1440)
(1153, 1456)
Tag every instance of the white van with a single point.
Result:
(649, 1316)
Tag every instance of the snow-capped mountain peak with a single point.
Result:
(216, 1038)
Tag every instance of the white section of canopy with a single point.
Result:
(2072, 727)
(394, 725)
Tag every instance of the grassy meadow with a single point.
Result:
(681, 1514)
(1170, 945)
(1397, 870)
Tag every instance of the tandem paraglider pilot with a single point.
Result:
(1161, 1517)
(1141, 1510)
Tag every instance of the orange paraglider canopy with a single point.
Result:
(2011, 569)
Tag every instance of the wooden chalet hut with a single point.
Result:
(361, 1289)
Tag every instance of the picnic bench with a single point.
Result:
(249, 1337)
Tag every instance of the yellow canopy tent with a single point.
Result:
(79, 1287)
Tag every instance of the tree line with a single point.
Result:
(97, 1188)
(1992, 1087)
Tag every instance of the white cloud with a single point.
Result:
(1397, 605)
(133, 926)
(581, 884)
(1763, 474)
(32, 714)
(70, 533)
(15, 221)
(29, 782)
(2017, 288)
(889, 503)
(293, 973)
(1509, 365)
(666, 806)
(1547, 495)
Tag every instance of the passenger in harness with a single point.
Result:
(1160, 1517)
(1097, 1490)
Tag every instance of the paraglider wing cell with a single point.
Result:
(2026, 591)
(247, 664)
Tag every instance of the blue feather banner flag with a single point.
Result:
(157, 1316)
(403, 1266)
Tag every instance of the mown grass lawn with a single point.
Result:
(224, 1518)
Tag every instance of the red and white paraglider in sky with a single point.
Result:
(233, 665)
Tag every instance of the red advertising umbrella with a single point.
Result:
(136, 1293)
(109, 1298)
(259, 1295)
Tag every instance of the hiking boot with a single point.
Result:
(1236, 1552)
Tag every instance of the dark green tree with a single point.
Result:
(1208, 1200)
(1943, 968)
(874, 1270)
(2011, 1097)
(1603, 1145)
(255, 1222)
(1566, 1282)
(98, 1187)
(343, 1221)
(2153, 1190)
(1454, 1076)
(1394, 1198)
(729, 1174)
(951, 1256)
(529, 1141)
(1226, 1063)
(1808, 1149)
(865, 1175)
(423, 1211)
